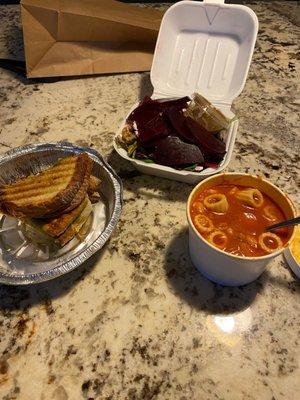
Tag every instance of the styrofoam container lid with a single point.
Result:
(204, 47)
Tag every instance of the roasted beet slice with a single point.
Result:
(150, 118)
(211, 147)
(177, 120)
(173, 152)
(147, 110)
(154, 129)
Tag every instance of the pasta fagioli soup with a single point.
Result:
(233, 218)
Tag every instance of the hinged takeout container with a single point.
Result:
(203, 47)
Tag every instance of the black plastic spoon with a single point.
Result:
(288, 222)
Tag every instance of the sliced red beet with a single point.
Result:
(173, 152)
(154, 129)
(172, 139)
(177, 120)
(212, 147)
(150, 119)
(149, 108)
(144, 112)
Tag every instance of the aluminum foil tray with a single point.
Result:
(24, 262)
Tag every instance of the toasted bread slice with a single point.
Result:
(58, 189)
(81, 192)
(93, 189)
(56, 226)
(76, 226)
(94, 184)
(94, 197)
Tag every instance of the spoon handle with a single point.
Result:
(289, 222)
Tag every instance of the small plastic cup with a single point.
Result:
(207, 115)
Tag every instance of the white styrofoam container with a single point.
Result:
(203, 47)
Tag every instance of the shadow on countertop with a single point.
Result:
(202, 294)
(23, 297)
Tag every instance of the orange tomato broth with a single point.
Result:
(240, 223)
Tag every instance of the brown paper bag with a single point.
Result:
(82, 37)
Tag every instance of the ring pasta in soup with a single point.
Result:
(234, 219)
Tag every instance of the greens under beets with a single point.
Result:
(167, 136)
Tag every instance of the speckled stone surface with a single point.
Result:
(137, 321)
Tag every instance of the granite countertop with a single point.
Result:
(137, 321)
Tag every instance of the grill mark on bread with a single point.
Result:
(82, 191)
(41, 181)
(53, 172)
(36, 192)
(68, 197)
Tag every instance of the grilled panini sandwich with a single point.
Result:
(54, 205)
(56, 190)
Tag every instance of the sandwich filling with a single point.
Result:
(55, 232)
